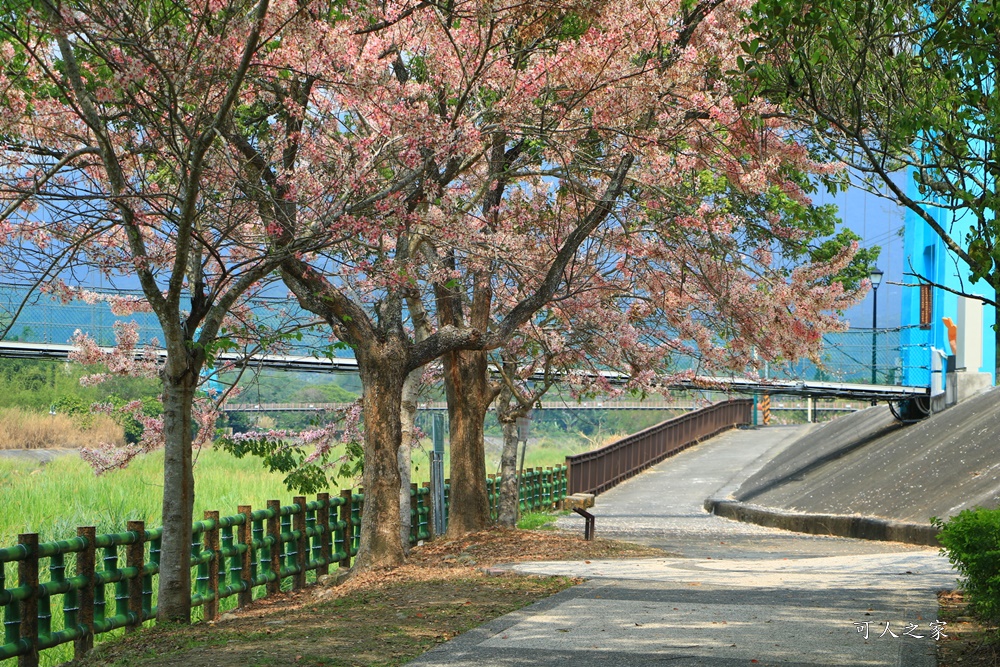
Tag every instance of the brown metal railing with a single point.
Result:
(601, 469)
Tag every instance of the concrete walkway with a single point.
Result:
(736, 594)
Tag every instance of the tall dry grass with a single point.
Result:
(20, 429)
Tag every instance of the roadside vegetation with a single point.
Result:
(23, 429)
(970, 642)
(971, 541)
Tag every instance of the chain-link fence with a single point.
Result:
(890, 356)
(46, 319)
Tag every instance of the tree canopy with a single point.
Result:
(886, 87)
(427, 179)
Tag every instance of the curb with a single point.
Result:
(841, 525)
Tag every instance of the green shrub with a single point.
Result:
(133, 428)
(971, 541)
(75, 407)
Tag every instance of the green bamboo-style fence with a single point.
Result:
(250, 552)
(539, 490)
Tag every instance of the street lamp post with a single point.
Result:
(876, 277)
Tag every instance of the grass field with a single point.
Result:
(53, 499)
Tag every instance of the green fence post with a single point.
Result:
(348, 531)
(134, 559)
(325, 536)
(414, 513)
(312, 538)
(447, 501)
(229, 559)
(357, 510)
(301, 542)
(529, 476)
(211, 541)
(57, 575)
(147, 580)
(27, 574)
(246, 556)
(429, 503)
(536, 489)
(85, 597)
(274, 551)
(489, 495)
(567, 478)
(421, 513)
(112, 560)
(539, 489)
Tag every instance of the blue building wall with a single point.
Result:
(926, 254)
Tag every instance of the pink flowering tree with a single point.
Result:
(709, 169)
(470, 162)
(113, 161)
(656, 313)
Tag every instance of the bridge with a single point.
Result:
(839, 406)
(731, 384)
(45, 325)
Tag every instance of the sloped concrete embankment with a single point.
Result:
(867, 476)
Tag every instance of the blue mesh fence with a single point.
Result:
(893, 356)
(45, 319)
(901, 355)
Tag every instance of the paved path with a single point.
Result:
(736, 594)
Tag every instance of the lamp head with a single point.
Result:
(875, 275)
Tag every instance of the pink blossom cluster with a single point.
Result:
(421, 152)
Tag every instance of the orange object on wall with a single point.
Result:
(952, 334)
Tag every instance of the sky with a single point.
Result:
(878, 222)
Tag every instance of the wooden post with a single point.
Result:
(325, 536)
(134, 558)
(211, 537)
(430, 512)
(27, 574)
(274, 552)
(85, 596)
(301, 543)
(246, 558)
(345, 517)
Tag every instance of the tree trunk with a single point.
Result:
(507, 414)
(382, 366)
(469, 396)
(407, 417)
(174, 603)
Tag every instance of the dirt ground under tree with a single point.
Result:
(377, 618)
